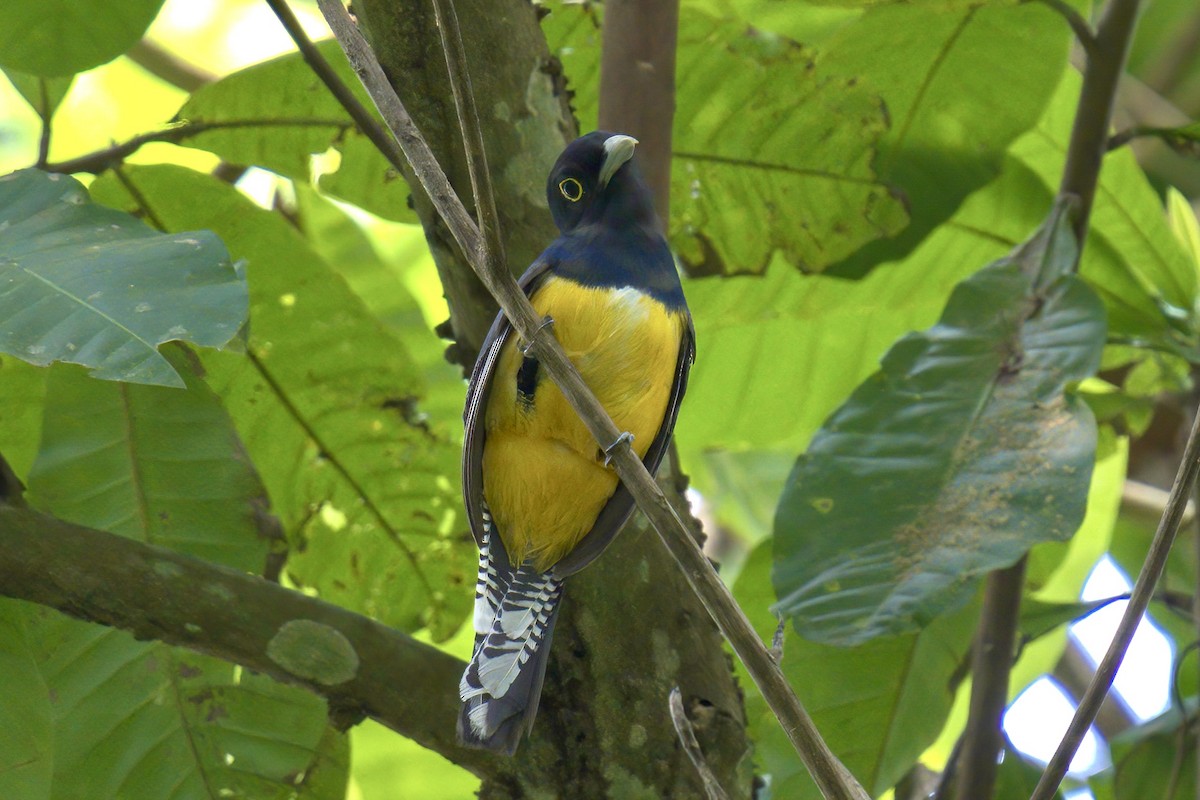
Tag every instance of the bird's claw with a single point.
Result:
(547, 321)
(608, 451)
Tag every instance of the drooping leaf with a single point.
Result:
(327, 402)
(61, 37)
(756, 170)
(878, 705)
(278, 115)
(89, 285)
(26, 729)
(156, 464)
(42, 94)
(953, 460)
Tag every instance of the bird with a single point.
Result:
(542, 499)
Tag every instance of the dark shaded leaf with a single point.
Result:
(1157, 759)
(953, 460)
(89, 285)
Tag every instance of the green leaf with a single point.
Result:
(22, 390)
(278, 115)
(136, 719)
(878, 705)
(745, 172)
(1156, 755)
(1147, 282)
(961, 81)
(327, 402)
(953, 460)
(61, 37)
(42, 94)
(387, 766)
(26, 728)
(155, 464)
(1182, 220)
(1017, 777)
(89, 285)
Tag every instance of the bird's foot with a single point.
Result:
(608, 451)
(547, 321)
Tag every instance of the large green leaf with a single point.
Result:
(60, 37)
(961, 81)
(278, 115)
(140, 719)
(89, 285)
(953, 460)
(22, 390)
(26, 729)
(152, 463)
(327, 402)
(134, 719)
(878, 705)
(755, 170)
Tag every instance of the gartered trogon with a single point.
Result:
(541, 497)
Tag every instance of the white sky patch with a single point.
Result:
(256, 35)
(1145, 676)
(1037, 720)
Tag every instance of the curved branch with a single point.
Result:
(95, 576)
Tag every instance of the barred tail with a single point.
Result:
(514, 620)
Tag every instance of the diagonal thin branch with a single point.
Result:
(1139, 599)
(833, 779)
(687, 738)
(362, 117)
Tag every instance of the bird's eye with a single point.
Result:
(571, 189)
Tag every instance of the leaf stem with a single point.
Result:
(991, 662)
(832, 778)
(1139, 599)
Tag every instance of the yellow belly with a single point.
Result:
(543, 474)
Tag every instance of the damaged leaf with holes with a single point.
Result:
(962, 452)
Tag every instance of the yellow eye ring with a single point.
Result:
(571, 189)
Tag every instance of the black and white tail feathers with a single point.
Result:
(514, 619)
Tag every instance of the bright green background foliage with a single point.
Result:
(875, 419)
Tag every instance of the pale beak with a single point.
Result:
(617, 150)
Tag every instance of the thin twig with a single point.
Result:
(1089, 136)
(362, 117)
(687, 738)
(1139, 599)
(45, 114)
(991, 663)
(472, 133)
(1080, 26)
(101, 160)
(832, 778)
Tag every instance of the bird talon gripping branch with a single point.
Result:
(547, 321)
(539, 508)
(612, 448)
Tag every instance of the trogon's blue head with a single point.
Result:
(595, 181)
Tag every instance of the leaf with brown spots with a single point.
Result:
(954, 459)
